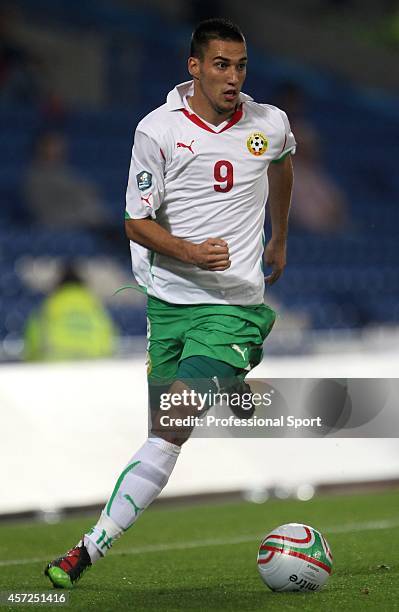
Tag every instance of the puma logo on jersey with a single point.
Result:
(235, 347)
(181, 145)
(147, 199)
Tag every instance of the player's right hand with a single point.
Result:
(213, 254)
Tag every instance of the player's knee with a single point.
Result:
(177, 438)
(206, 377)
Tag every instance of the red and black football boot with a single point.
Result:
(65, 571)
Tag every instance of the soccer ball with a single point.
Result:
(294, 557)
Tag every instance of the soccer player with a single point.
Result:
(203, 166)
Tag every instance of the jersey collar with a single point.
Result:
(198, 121)
(174, 101)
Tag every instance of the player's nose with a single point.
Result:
(233, 76)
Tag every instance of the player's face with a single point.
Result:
(220, 74)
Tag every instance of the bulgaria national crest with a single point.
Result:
(257, 143)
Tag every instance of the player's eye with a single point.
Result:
(221, 65)
(242, 66)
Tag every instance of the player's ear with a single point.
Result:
(194, 67)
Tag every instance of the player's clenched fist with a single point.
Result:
(213, 254)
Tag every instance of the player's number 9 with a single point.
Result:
(223, 173)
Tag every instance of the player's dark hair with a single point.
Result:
(213, 29)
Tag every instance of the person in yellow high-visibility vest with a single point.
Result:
(71, 323)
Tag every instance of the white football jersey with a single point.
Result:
(199, 181)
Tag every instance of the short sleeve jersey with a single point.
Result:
(199, 181)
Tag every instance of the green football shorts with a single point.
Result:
(231, 334)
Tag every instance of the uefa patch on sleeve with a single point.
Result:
(144, 180)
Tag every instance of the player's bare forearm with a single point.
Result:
(212, 254)
(281, 179)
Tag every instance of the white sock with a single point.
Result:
(139, 484)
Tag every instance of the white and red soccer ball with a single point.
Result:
(294, 557)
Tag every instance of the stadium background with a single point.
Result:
(89, 71)
(92, 72)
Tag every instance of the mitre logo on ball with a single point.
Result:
(257, 143)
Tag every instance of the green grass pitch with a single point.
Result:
(203, 557)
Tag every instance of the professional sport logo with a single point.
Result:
(257, 143)
(181, 145)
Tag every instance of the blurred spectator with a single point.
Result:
(291, 98)
(17, 66)
(56, 195)
(54, 110)
(71, 323)
(318, 204)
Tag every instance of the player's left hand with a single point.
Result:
(275, 257)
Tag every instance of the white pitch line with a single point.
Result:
(151, 548)
(367, 526)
